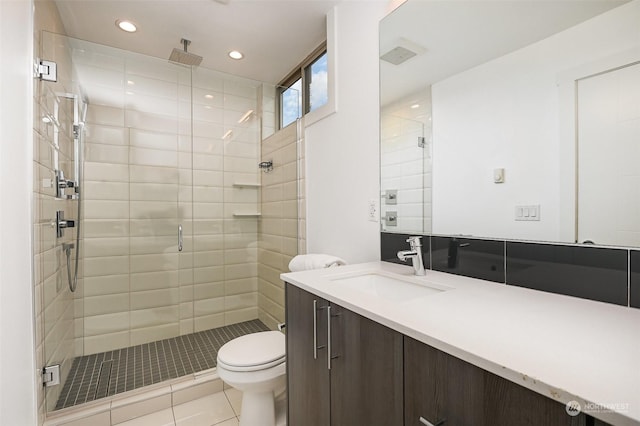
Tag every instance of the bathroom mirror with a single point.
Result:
(528, 115)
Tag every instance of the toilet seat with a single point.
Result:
(253, 352)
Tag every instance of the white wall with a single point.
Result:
(17, 366)
(505, 114)
(342, 149)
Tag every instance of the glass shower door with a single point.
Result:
(137, 142)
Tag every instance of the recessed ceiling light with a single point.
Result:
(414, 106)
(127, 26)
(208, 96)
(234, 54)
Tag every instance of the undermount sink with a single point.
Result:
(388, 287)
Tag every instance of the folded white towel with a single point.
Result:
(304, 262)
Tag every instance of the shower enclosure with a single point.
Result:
(178, 236)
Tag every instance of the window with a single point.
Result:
(291, 103)
(305, 89)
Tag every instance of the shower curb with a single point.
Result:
(139, 402)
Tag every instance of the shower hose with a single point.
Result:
(73, 282)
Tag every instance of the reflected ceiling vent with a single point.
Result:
(398, 55)
(402, 52)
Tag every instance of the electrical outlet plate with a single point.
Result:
(372, 212)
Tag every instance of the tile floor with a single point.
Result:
(220, 409)
(97, 376)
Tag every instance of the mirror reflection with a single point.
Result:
(532, 129)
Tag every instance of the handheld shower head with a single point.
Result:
(183, 57)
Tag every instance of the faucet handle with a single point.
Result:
(415, 241)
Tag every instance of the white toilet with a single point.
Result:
(255, 364)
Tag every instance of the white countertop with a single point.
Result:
(562, 347)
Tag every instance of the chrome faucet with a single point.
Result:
(415, 254)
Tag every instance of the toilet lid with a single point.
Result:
(253, 351)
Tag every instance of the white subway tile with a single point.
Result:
(148, 121)
(154, 140)
(105, 115)
(153, 174)
(95, 190)
(100, 153)
(240, 315)
(154, 262)
(153, 157)
(153, 210)
(208, 322)
(155, 316)
(104, 324)
(112, 265)
(106, 304)
(208, 274)
(141, 281)
(108, 284)
(111, 209)
(154, 298)
(106, 135)
(105, 172)
(208, 178)
(208, 290)
(141, 336)
(154, 192)
(98, 247)
(106, 342)
(154, 244)
(208, 162)
(209, 306)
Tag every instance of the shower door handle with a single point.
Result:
(179, 237)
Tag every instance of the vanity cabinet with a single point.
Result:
(342, 369)
(443, 390)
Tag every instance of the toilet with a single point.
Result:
(255, 365)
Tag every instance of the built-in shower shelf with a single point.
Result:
(247, 214)
(246, 185)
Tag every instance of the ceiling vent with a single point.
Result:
(398, 55)
(403, 51)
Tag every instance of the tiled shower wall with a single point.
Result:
(53, 304)
(279, 221)
(159, 154)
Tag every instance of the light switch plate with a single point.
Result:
(528, 213)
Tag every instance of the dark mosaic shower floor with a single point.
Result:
(108, 373)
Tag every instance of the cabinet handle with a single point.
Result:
(329, 337)
(315, 329)
(428, 423)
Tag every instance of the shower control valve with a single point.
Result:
(62, 184)
(61, 223)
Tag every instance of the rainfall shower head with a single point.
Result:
(183, 57)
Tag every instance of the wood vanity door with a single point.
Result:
(366, 371)
(307, 377)
(509, 404)
(441, 389)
